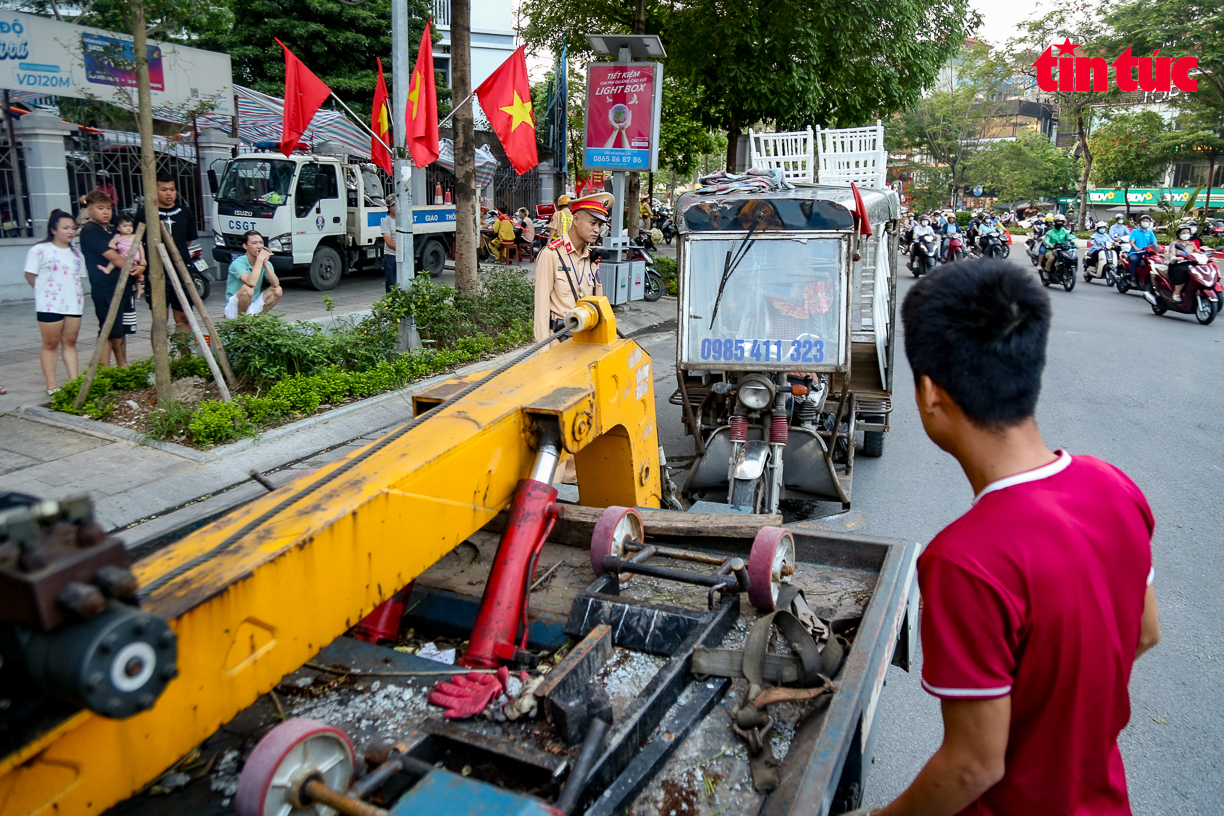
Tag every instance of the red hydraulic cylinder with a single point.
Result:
(493, 640)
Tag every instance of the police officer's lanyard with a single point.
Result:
(591, 268)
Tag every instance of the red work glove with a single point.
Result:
(468, 695)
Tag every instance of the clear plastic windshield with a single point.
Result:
(782, 307)
(257, 181)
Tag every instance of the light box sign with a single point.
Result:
(622, 116)
(45, 56)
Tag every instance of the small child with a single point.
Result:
(122, 243)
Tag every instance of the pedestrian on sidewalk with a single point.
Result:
(54, 268)
(387, 227)
(244, 292)
(1040, 598)
(182, 225)
(96, 236)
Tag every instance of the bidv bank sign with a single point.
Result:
(1076, 72)
(52, 58)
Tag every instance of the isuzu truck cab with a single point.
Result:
(320, 215)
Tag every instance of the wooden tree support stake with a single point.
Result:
(111, 314)
(189, 285)
(195, 327)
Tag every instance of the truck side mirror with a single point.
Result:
(213, 186)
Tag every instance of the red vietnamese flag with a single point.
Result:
(422, 113)
(380, 123)
(304, 93)
(506, 99)
(860, 212)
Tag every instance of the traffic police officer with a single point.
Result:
(566, 270)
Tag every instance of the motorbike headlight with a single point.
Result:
(281, 243)
(755, 395)
(218, 239)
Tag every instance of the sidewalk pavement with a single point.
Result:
(138, 484)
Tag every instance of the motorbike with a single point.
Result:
(1101, 262)
(989, 242)
(1033, 247)
(1201, 295)
(1065, 262)
(926, 256)
(907, 240)
(1005, 241)
(654, 282)
(1134, 275)
(198, 269)
(668, 228)
(955, 249)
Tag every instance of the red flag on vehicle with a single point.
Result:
(506, 99)
(422, 113)
(380, 123)
(304, 93)
(860, 212)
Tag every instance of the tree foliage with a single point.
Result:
(178, 21)
(789, 62)
(1130, 150)
(1026, 169)
(1178, 28)
(337, 41)
(683, 139)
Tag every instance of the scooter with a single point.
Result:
(955, 249)
(1033, 247)
(989, 242)
(926, 256)
(1137, 274)
(654, 282)
(1201, 296)
(1101, 262)
(1065, 257)
(1005, 241)
(907, 240)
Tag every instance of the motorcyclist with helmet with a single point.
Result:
(1056, 236)
(1099, 240)
(1140, 239)
(923, 228)
(1177, 256)
(1118, 230)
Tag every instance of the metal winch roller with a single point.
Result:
(68, 605)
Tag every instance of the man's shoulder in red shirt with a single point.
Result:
(1037, 592)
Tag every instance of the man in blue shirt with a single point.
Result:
(243, 286)
(1118, 230)
(1141, 239)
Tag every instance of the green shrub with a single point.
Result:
(169, 421)
(266, 410)
(666, 267)
(298, 393)
(193, 366)
(215, 422)
(963, 217)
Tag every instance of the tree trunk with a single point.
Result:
(466, 221)
(1211, 162)
(1126, 197)
(1081, 131)
(733, 136)
(148, 174)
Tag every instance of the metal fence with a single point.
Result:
(89, 153)
(12, 162)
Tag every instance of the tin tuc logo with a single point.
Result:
(1079, 73)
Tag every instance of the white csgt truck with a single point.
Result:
(319, 214)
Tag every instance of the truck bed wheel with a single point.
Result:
(433, 258)
(325, 269)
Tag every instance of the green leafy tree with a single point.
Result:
(1024, 169)
(928, 187)
(946, 126)
(683, 139)
(1082, 24)
(337, 41)
(787, 62)
(1130, 150)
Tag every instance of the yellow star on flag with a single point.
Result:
(384, 121)
(520, 113)
(414, 93)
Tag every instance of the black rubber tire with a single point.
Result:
(1045, 281)
(1006, 250)
(1122, 286)
(654, 286)
(202, 284)
(326, 269)
(1159, 307)
(873, 443)
(432, 258)
(1068, 279)
(744, 493)
(1211, 311)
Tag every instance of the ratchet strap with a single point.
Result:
(809, 668)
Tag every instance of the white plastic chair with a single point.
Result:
(790, 152)
(855, 155)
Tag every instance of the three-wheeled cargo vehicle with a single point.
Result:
(786, 339)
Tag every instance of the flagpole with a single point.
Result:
(466, 99)
(360, 123)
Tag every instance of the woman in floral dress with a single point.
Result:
(54, 268)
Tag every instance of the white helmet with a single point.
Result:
(1119, 218)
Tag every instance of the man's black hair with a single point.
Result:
(165, 178)
(978, 329)
(246, 236)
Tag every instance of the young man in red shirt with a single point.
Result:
(1039, 599)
